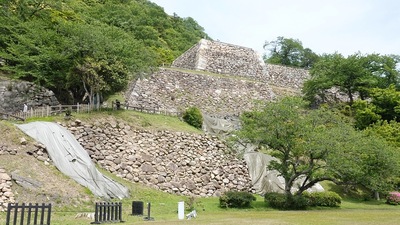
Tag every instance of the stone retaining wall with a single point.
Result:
(174, 90)
(13, 95)
(222, 58)
(288, 77)
(174, 162)
(246, 79)
(6, 194)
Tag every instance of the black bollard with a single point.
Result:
(148, 218)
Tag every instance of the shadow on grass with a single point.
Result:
(356, 197)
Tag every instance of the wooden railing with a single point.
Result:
(82, 108)
(52, 110)
(155, 111)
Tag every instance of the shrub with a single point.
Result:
(326, 199)
(275, 200)
(193, 117)
(191, 203)
(236, 199)
(393, 198)
(286, 202)
(296, 202)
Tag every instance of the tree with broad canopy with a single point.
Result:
(317, 145)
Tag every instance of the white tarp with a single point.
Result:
(263, 179)
(72, 159)
(218, 126)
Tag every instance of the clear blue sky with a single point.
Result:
(324, 26)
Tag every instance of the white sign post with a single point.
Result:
(181, 210)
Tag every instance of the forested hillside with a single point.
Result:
(78, 47)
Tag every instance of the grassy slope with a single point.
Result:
(71, 198)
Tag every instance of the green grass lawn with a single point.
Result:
(164, 211)
(165, 206)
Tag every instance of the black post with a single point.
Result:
(49, 214)
(96, 214)
(120, 212)
(43, 209)
(109, 206)
(22, 213)
(148, 212)
(29, 213)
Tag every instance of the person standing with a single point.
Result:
(25, 108)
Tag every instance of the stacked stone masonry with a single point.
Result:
(6, 194)
(222, 58)
(245, 80)
(289, 77)
(13, 95)
(174, 162)
(172, 90)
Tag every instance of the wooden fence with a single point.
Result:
(155, 110)
(34, 214)
(107, 212)
(82, 108)
(51, 111)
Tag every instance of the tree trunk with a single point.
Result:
(97, 101)
(376, 195)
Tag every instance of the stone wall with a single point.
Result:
(175, 91)
(222, 58)
(250, 80)
(174, 162)
(190, 59)
(289, 77)
(6, 194)
(13, 95)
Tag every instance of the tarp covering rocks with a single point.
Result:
(72, 159)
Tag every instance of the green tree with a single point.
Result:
(293, 137)
(389, 130)
(387, 102)
(384, 68)
(365, 114)
(312, 146)
(76, 46)
(355, 75)
(383, 105)
(365, 159)
(289, 52)
(349, 75)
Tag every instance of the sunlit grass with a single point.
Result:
(135, 119)
(164, 206)
(164, 211)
